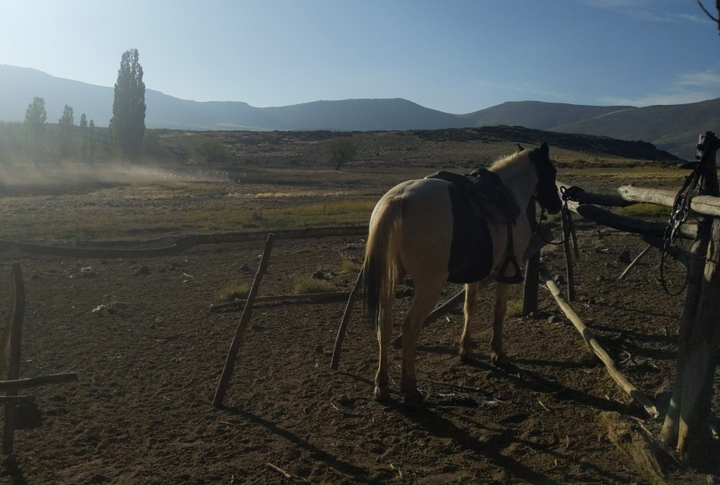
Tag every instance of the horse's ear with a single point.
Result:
(520, 148)
(544, 150)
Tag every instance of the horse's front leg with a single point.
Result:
(423, 303)
(470, 310)
(497, 355)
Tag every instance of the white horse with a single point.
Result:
(420, 228)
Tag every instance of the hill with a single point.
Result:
(673, 128)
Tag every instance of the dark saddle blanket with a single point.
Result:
(475, 199)
(488, 196)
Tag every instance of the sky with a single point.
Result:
(457, 56)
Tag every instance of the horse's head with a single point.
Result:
(546, 191)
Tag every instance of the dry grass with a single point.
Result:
(306, 284)
(350, 264)
(234, 291)
(514, 308)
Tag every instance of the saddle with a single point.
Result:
(489, 199)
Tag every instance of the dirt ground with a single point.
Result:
(149, 353)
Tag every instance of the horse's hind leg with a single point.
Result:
(497, 355)
(384, 332)
(426, 296)
(470, 310)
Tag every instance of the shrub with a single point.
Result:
(338, 151)
(235, 291)
(212, 151)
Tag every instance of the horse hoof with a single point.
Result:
(499, 360)
(467, 357)
(413, 400)
(382, 394)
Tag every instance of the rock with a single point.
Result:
(319, 275)
(624, 257)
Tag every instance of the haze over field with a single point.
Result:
(455, 57)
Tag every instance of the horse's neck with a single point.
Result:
(520, 179)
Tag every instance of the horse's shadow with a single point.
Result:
(357, 473)
(441, 427)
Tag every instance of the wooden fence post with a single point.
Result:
(532, 269)
(242, 325)
(335, 363)
(687, 420)
(567, 243)
(13, 373)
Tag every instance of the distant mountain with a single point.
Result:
(673, 128)
(539, 115)
(19, 85)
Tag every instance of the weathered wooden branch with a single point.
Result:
(183, 243)
(329, 297)
(439, 312)
(532, 269)
(13, 368)
(635, 261)
(37, 381)
(242, 325)
(590, 339)
(702, 204)
(628, 224)
(579, 196)
(335, 363)
(567, 242)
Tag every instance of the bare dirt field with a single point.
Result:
(149, 353)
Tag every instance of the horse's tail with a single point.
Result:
(381, 266)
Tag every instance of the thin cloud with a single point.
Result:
(649, 10)
(689, 87)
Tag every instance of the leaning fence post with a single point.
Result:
(13, 373)
(567, 243)
(344, 323)
(532, 270)
(242, 325)
(687, 417)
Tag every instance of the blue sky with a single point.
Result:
(453, 55)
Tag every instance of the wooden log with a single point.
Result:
(328, 297)
(38, 381)
(439, 312)
(242, 325)
(335, 363)
(532, 269)
(628, 224)
(590, 339)
(16, 399)
(702, 204)
(578, 195)
(634, 262)
(13, 369)
(182, 244)
(569, 270)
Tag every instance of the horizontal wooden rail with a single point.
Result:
(37, 381)
(702, 204)
(183, 243)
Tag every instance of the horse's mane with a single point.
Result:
(507, 160)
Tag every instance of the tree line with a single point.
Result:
(39, 140)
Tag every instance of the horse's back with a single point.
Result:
(426, 235)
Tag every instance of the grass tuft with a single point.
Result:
(307, 284)
(644, 210)
(234, 291)
(350, 264)
(514, 308)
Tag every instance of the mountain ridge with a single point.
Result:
(674, 128)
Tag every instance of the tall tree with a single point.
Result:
(128, 122)
(35, 125)
(66, 125)
(83, 136)
(91, 143)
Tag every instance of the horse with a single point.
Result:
(420, 229)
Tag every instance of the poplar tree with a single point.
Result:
(35, 126)
(83, 136)
(66, 125)
(127, 125)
